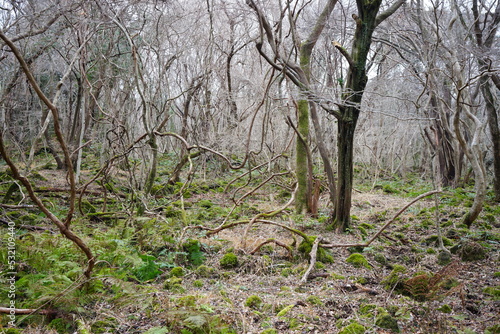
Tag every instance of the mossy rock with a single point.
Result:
(444, 257)
(177, 272)
(395, 279)
(229, 261)
(174, 284)
(206, 271)
(470, 251)
(353, 328)
(387, 321)
(253, 302)
(358, 260)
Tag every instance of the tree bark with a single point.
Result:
(366, 21)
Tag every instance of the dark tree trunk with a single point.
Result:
(353, 93)
(345, 144)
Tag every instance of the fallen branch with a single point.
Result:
(9, 206)
(366, 244)
(312, 262)
(18, 311)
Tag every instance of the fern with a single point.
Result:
(149, 270)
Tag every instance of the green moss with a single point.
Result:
(394, 279)
(108, 325)
(495, 329)
(388, 322)
(367, 226)
(172, 212)
(87, 207)
(254, 302)
(229, 260)
(285, 310)
(197, 283)
(60, 325)
(186, 301)
(269, 331)
(294, 323)
(389, 189)
(205, 203)
(205, 271)
(314, 300)
(445, 308)
(322, 255)
(12, 331)
(493, 291)
(177, 272)
(380, 258)
(367, 310)
(174, 284)
(336, 276)
(358, 260)
(433, 240)
(353, 328)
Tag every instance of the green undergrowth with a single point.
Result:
(156, 265)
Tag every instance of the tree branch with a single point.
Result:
(344, 53)
(388, 12)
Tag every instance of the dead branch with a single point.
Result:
(18, 311)
(312, 262)
(376, 235)
(9, 206)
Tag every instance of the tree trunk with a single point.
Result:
(345, 144)
(301, 169)
(353, 93)
(492, 114)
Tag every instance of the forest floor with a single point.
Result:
(159, 272)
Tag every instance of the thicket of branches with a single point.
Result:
(129, 81)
